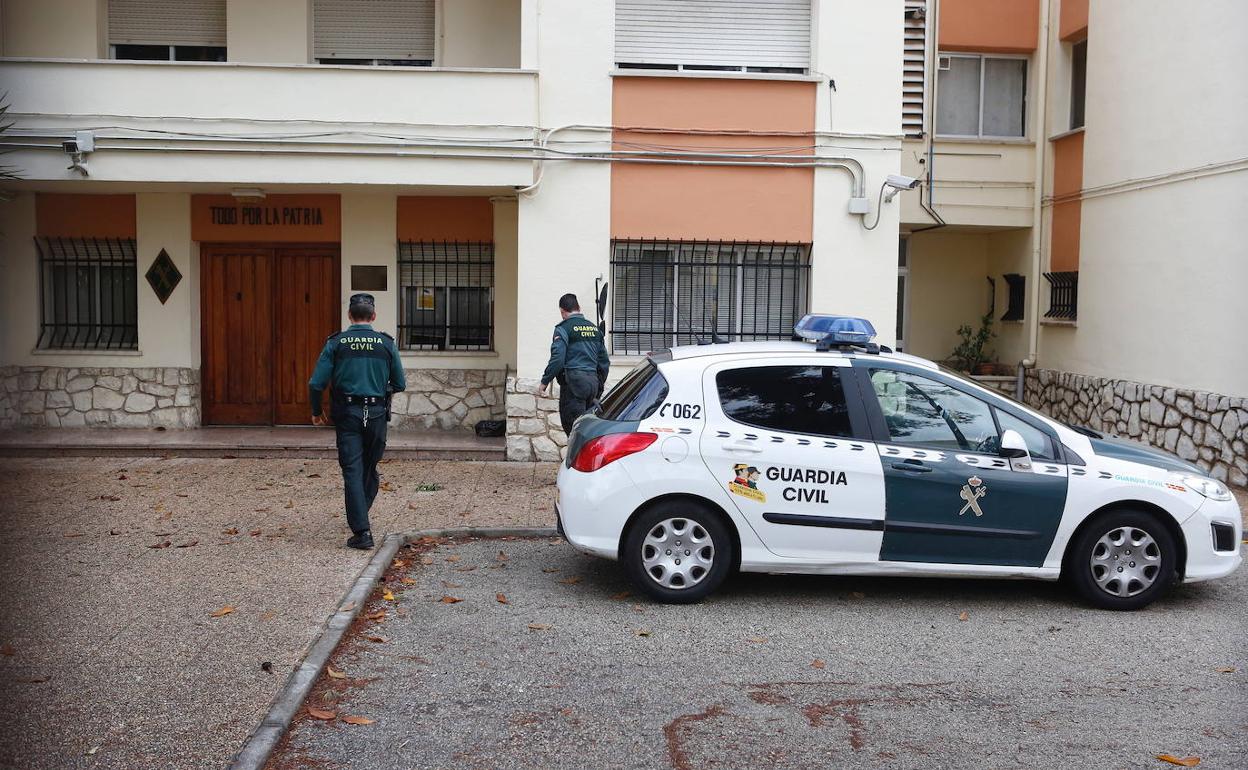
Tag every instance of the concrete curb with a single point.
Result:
(263, 740)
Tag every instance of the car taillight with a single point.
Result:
(599, 451)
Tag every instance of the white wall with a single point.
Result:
(368, 238)
(70, 29)
(273, 31)
(479, 33)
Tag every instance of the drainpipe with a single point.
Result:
(1037, 212)
(929, 116)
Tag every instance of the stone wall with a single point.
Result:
(1002, 384)
(448, 399)
(1208, 429)
(533, 429)
(73, 397)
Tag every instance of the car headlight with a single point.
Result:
(1202, 485)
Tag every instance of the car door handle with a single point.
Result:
(743, 448)
(911, 467)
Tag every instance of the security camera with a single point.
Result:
(70, 146)
(899, 182)
(78, 147)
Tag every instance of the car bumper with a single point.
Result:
(1204, 559)
(592, 508)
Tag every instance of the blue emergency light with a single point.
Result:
(834, 329)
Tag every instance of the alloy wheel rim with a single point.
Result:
(677, 553)
(1125, 562)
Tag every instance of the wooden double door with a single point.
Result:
(265, 314)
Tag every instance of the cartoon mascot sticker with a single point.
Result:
(745, 482)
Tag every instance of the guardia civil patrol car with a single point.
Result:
(842, 457)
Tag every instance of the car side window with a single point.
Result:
(796, 399)
(919, 410)
(1038, 442)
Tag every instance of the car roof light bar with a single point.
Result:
(831, 332)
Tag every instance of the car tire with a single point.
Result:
(1122, 560)
(675, 531)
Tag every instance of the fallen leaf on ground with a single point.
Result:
(334, 674)
(386, 486)
(622, 595)
(426, 561)
(818, 663)
(160, 508)
(387, 595)
(358, 720)
(348, 608)
(857, 595)
(539, 626)
(164, 544)
(964, 615)
(571, 581)
(114, 532)
(756, 639)
(642, 632)
(230, 531)
(110, 498)
(1180, 761)
(33, 679)
(638, 608)
(254, 533)
(188, 544)
(412, 507)
(226, 610)
(500, 598)
(268, 615)
(74, 534)
(398, 564)
(453, 558)
(122, 477)
(182, 494)
(549, 570)
(91, 751)
(377, 639)
(314, 475)
(290, 503)
(265, 509)
(321, 714)
(501, 556)
(378, 615)
(450, 600)
(408, 581)
(1225, 670)
(7, 650)
(449, 584)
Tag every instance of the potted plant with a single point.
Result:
(970, 355)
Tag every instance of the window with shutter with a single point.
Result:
(914, 68)
(446, 295)
(727, 35)
(390, 32)
(191, 30)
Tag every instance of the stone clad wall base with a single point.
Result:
(90, 397)
(448, 399)
(1208, 429)
(533, 429)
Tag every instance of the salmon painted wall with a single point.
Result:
(446, 218)
(712, 202)
(1073, 21)
(67, 215)
(995, 26)
(1067, 214)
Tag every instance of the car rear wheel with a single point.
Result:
(678, 552)
(1123, 560)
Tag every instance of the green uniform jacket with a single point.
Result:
(358, 361)
(577, 345)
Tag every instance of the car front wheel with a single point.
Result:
(678, 552)
(1123, 560)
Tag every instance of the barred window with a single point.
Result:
(88, 293)
(446, 296)
(679, 292)
(1063, 295)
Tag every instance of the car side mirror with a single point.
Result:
(1014, 449)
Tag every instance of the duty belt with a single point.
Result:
(364, 401)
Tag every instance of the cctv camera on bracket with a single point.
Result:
(77, 148)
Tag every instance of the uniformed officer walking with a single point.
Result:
(363, 367)
(578, 360)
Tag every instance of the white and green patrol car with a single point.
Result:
(843, 457)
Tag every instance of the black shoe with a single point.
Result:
(362, 541)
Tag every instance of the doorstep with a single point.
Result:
(280, 442)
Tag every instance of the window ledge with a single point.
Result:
(712, 74)
(955, 139)
(264, 65)
(1064, 134)
(405, 354)
(1059, 322)
(85, 352)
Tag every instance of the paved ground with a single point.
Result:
(773, 672)
(110, 655)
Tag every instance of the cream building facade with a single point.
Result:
(241, 168)
(1085, 167)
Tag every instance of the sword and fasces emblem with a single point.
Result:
(972, 490)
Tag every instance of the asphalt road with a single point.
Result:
(772, 672)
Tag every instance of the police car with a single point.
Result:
(843, 457)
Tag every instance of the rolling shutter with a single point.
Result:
(163, 22)
(913, 70)
(723, 33)
(373, 29)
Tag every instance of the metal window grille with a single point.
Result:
(1063, 295)
(1017, 284)
(446, 295)
(681, 292)
(88, 293)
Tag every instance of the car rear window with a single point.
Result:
(796, 399)
(637, 395)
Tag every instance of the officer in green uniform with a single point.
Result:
(578, 360)
(362, 365)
